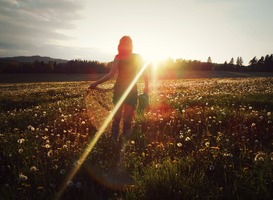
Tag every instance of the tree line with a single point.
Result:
(72, 66)
(264, 64)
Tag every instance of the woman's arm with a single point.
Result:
(108, 76)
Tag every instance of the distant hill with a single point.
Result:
(33, 59)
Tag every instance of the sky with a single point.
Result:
(91, 29)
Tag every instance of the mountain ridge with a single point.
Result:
(33, 59)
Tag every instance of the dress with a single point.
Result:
(127, 71)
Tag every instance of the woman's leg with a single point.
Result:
(116, 122)
(128, 114)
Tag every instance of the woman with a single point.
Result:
(127, 65)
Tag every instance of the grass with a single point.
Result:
(200, 139)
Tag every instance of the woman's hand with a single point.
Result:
(93, 86)
(146, 90)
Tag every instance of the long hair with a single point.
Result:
(125, 46)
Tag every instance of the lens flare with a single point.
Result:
(100, 132)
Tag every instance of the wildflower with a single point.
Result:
(47, 146)
(22, 177)
(268, 114)
(70, 183)
(207, 144)
(230, 155)
(50, 153)
(157, 166)
(83, 122)
(132, 142)
(20, 151)
(211, 167)
(20, 141)
(187, 139)
(34, 169)
(31, 128)
(55, 166)
(179, 144)
(62, 171)
(260, 156)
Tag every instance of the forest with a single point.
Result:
(263, 64)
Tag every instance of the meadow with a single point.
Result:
(200, 139)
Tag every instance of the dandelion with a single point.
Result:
(70, 183)
(179, 144)
(55, 166)
(230, 155)
(22, 177)
(260, 156)
(20, 141)
(31, 128)
(207, 144)
(50, 153)
(34, 169)
(211, 167)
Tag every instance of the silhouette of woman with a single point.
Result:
(126, 64)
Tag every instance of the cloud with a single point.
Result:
(28, 25)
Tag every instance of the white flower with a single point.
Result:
(34, 169)
(31, 128)
(260, 156)
(62, 171)
(20, 141)
(211, 167)
(179, 144)
(22, 177)
(50, 153)
(70, 183)
(207, 144)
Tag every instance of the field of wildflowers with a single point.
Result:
(200, 139)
